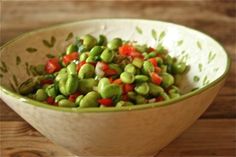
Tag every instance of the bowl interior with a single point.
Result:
(206, 58)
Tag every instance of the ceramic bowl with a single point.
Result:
(141, 130)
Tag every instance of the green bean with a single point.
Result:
(141, 78)
(148, 67)
(155, 90)
(90, 100)
(28, 86)
(86, 85)
(111, 91)
(78, 100)
(127, 77)
(178, 68)
(66, 103)
(107, 55)
(95, 51)
(130, 68)
(124, 103)
(71, 69)
(89, 41)
(72, 84)
(83, 57)
(41, 95)
(86, 71)
(142, 88)
(138, 62)
(114, 44)
(59, 97)
(71, 48)
(102, 83)
(52, 90)
(167, 80)
(102, 40)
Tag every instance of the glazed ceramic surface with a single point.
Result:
(139, 130)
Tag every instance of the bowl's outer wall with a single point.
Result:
(137, 132)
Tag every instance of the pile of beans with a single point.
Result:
(100, 73)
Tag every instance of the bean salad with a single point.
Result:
(95, 72)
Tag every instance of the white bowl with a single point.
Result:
(138, 130)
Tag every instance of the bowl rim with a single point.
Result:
(113, 109)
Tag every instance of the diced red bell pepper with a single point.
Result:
(155, 78)
(47, 81)
(70, 57)
(52, 65)
(159, 98)
(80, 65)
(157, 69)
(126, 50)
(50, 100)
(105, 101)
(73, 97)
(110, 72)
(150, 49)
(117, 81)
(127, 88)
(104, 66)
(125, 97)
(136, 55)
(153, 61)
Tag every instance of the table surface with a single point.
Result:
(214, 134)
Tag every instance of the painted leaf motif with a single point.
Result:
(69, 36)
(31, 49)
(139, 30)
(154, 34)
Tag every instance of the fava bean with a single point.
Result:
(87, 85)
(52, 90)
(127, 77)
(78, 100)
(66, 103)
(111, 91)
(155, 90)
(148, 67)
(40, 95)
(114, 44)
(167, 80)
(102, 40)
(59, 97)
(72, 84)
(138, 62)
(71, 48)
(142, 88)
(141, 78)
(90, 100)
(124, 103)
(86, 71)
(107, 55)
(130, 68)
(71, 69)
(95, 51)
(89, 41)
